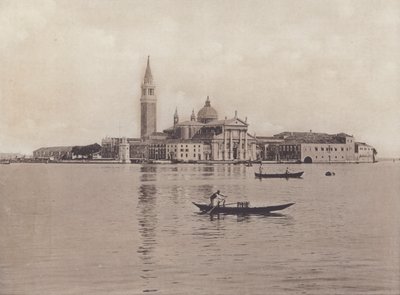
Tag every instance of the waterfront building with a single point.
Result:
(364, 153)
(310, 147)
(138, 151)
(328, 152)
(110, 146)
(184, 150)
(268, 148)
(148, 104)
(53, 153)
(156, 150)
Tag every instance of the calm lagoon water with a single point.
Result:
(132, 229)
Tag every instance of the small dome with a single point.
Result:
(207, 113)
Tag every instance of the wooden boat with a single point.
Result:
(279, 175)
(206, 208)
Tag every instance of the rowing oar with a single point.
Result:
(212, 209)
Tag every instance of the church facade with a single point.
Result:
(222, 140)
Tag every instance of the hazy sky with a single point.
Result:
(71, 70)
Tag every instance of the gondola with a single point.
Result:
(206, 208)
(279, 175)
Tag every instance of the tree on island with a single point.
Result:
(86, 151)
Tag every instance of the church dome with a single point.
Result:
(207, 113)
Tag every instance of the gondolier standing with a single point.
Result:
(261, 168)
(220, 198)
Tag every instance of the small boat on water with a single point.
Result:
(279, 175)
(5, 162)
(206, 208)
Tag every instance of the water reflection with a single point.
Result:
(175, 194)
(147, 221)
(247, 217)
(149, 172)
(207, 168)
(146, 168)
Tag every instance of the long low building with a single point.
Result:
(310, 147)
(299, 147)
(53, 153)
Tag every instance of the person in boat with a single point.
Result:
(220, 198)
(287, 170)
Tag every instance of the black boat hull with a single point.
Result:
(282, 175)
(241, 210)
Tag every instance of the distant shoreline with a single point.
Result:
(254, 163)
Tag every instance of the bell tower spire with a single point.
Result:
(176, 117)
(193, 116)
(148, 77)
(148, 104)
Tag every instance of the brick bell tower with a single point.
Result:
(148, 104)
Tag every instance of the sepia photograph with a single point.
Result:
(199, 147)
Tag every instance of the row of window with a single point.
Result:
(316, 157)
(288, 148)
(149, 92)
(182, 149)
(327, 149)
(157, 152)
(186, 155)
(181, 145)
